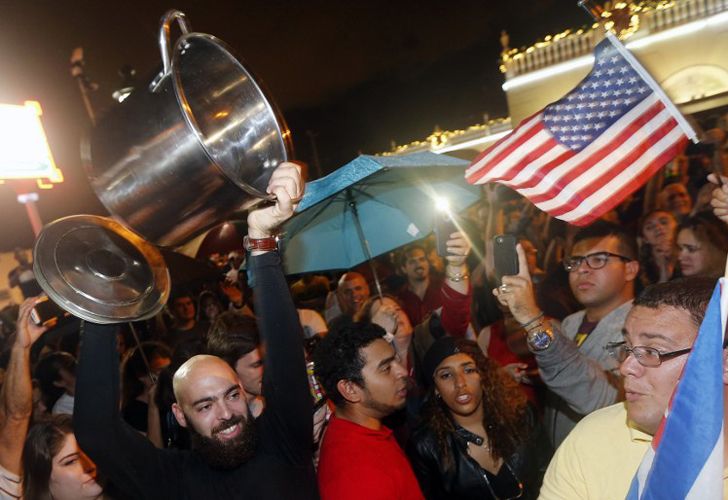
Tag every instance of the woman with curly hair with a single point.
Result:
(478, 438)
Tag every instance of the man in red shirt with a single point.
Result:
(422, 293)
(366, 381)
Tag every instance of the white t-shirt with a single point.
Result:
(64, 405)
(312, 323)
(11, 486)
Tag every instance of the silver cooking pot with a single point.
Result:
(201, 142)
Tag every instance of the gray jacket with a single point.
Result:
(580, 379)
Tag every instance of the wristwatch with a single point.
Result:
(267, 244)
(539, 339)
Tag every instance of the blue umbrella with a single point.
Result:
(371, 206)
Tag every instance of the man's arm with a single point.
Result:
(719, 199)
(120, 452)
(579, 380)
(289, 407)
(16, 396)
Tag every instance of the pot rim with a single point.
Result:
(283, 130)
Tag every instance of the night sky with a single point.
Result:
(356, 75)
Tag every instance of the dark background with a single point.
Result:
(356, 75)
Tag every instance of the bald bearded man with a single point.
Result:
(233, 455)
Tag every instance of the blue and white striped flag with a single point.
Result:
(685, 460)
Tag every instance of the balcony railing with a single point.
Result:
(572, 44)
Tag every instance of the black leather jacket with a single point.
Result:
(466, 479)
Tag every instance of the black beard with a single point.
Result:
(382, 408)
(226, 454)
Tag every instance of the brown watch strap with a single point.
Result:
(267, 244)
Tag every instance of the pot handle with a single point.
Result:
(165, 44)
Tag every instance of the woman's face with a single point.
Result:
(211, 309)
(458, 383)
(659, 229)
(73, 475)
(693, 256)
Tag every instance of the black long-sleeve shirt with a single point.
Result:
(281, 467)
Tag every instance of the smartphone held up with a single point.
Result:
(505, 256)
(47, 313)
(444, 227)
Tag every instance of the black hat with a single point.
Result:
(438, 351)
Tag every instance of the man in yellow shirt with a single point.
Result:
(601, 455)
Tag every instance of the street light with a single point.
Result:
(26, 162)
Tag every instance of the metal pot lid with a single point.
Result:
(100, 271)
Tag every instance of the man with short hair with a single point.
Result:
(186, 327)
(232, 454)
(579, 374)
(235, 339)
(675, 199)
(363, 377)
(601, 456)
(421, 294)
(352, 292)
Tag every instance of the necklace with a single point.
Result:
(479, 444)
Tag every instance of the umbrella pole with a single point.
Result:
(365, 243)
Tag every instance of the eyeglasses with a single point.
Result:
(594, 260)
(646, 356)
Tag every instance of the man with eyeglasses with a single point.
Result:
(601, 455)
(580, 375)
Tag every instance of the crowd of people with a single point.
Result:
(455, 382)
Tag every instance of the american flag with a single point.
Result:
(685, 461)
(582, 155)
